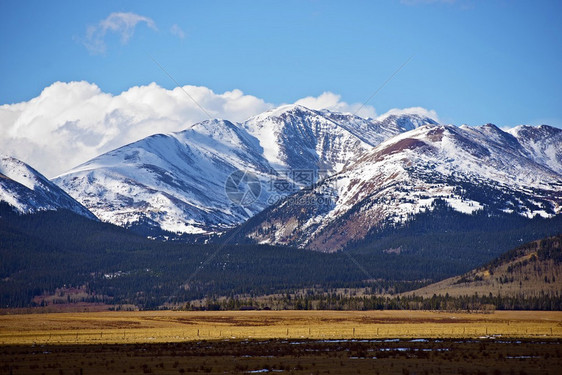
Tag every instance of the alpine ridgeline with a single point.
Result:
(458, 172)
(184, 182)
(321, 180)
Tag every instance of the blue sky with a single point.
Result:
(79, 78)
(473, 61)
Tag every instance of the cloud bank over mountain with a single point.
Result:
(72, 122)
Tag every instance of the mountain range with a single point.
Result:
(471, 170)
(176, 182)
(313, 179)
(393, 202)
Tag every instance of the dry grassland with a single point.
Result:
(178, 326)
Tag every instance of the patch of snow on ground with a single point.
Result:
(464, 206)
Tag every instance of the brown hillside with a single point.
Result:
(529, 271)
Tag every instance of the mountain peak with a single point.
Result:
(407, 121)
(536, 132)
(543, 143)
(19, 172)
(28, 191)
(285, 110)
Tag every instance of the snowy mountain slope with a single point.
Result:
(542, 143)
(28, 191)
(175, 182)
(471, 169)
(295, 137)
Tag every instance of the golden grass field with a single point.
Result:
(177, 326)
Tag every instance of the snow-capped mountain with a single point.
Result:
(295, 137)
(28, 191)
(471, 169)
(543, 144)
(176, 182)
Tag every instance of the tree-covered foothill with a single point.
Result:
(46, 252)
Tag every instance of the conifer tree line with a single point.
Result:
(472, 303)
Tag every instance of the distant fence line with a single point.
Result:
(383, 331)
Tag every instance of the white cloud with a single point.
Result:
(333, 102)
(177, 31)
(121, 23)
(411, 111)
(70, 123)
